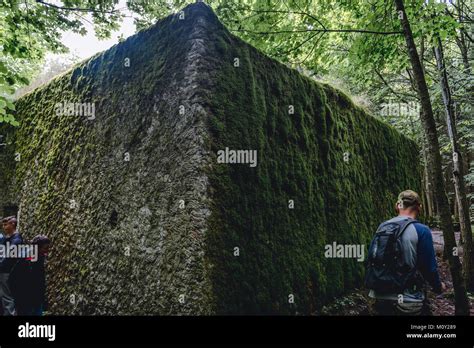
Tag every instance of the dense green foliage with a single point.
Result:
(31, 28)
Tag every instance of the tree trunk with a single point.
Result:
(434, 158)
(428, 211)
(427, 185)
(458, 171)
(456, 211)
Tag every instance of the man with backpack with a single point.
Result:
(401, 261)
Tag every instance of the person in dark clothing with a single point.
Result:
(10, 238)
(418, 253)
(38, 276)
(28, 284)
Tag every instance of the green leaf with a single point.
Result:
(3, 68)
(23, 80)
(10, 105)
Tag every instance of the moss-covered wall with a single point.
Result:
(340, 166)
(109, 190)
(157, 234)
(8, 196)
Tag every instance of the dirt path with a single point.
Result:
(358, 303)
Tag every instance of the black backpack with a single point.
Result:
(387, 271)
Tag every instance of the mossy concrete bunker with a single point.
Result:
(145, 218)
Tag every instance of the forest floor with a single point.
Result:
(359, 303)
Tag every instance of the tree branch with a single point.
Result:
(389, 87)
(298, 46)
(74, 8)
(320, 31)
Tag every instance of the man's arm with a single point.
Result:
(426, 257)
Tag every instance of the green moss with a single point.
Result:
(301, 158)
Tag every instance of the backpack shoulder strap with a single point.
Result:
(404, 224)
